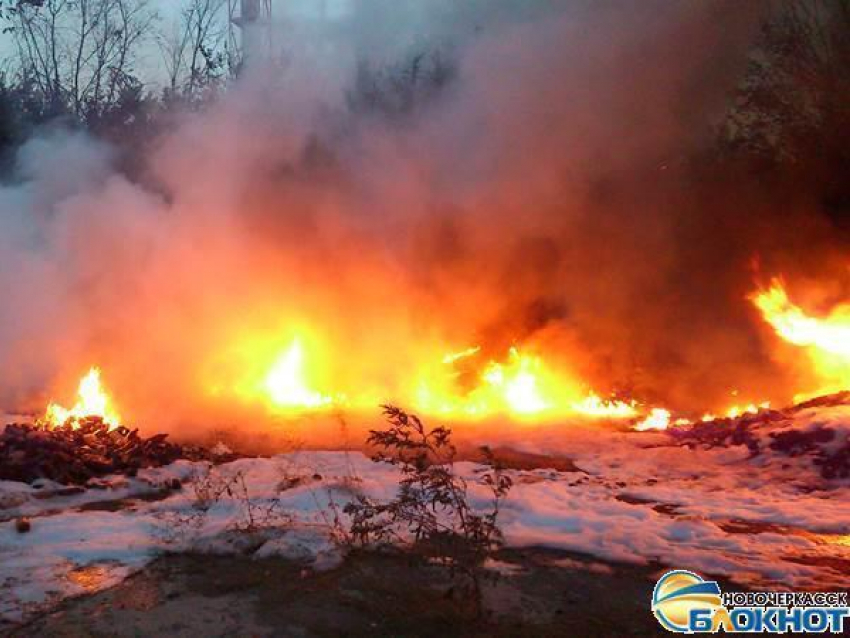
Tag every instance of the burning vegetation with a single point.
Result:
(465, 386)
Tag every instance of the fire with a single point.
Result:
(735, 411)
(287, 371)
(292, 375)
(658, 419)
(463, 354)
(826, 339)
(286, 382)
(518, 383)
(522, 386)
(662, 419)
(830, 335)
(594, 406)
(92, 401)
(292, 372)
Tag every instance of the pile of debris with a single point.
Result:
(790, 433)
(84, 449)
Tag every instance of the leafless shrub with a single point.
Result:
(431, 514)
(294, 473)
(212, 488)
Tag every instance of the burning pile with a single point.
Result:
(83, 449)
(92, 401)
(73, 446)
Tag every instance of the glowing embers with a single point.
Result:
(92, 401)
(287, 383)
(826, 339)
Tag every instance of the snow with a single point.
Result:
(769, 521)
(43, 496)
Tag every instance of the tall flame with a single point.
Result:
(92, 401)
(830, 334)
(826, 339)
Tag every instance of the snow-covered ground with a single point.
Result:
(771, 520)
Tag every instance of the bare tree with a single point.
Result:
(192, 47)
(796, 91)
(36, 29)
(791, 120)
(79, 53)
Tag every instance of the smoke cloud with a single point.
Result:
(545, 198)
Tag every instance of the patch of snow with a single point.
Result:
(311, 544)
(503, 568)
(769, 521)
(44, 496)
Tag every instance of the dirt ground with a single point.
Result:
(537, 593)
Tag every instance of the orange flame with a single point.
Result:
(522, 386)
(826, 339)
(830, 335)
(736, 410)
(658, 419)
(594, 406)
(286, 382)
(291, 372)
(92, 401)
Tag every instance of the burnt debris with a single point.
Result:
(770, 432)
(85, 449)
